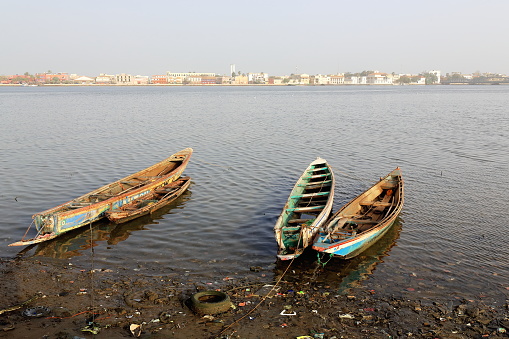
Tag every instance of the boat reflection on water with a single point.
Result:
(338, 273)
(75, 243)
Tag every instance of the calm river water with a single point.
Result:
(251, 144)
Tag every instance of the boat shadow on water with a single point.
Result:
(339, 274)
(76, 242)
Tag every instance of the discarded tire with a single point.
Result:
(210, 302)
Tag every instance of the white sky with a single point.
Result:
(276, 37)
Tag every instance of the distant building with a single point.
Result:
(240, 80)
(51, 77)
(123, 79)
(379, 79)
(159, 79)
(258, 78)
(83, 80)
(141, 80)
(304, 79)
(356, 80)
(208, 80)
(223, 80)
(16, 79)
(187, 78)
(319, 79)
(105, 79)
(337, 79)
(276, 80)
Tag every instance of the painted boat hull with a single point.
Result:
(136, 208)
(345, 242)
(312, 196)
(92, 206)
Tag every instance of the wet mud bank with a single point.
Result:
(44, 300)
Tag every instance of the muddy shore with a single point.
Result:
(43, 300)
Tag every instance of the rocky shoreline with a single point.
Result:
(76, 303)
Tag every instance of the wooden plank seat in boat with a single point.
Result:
(165, 190)
(132, 182)
(307, 195)
(298, 221)
(381, 205)
(313, 201)
(341, 234)
(317, 176)
(147, 177)
(315, 186)
(291, 230)
(102, 196)
(323, 183)
(306, 209)
(318, 169)
(310, 204)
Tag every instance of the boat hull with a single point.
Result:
(92, 206)
(307, 209)
(364, 220)
(125, 213)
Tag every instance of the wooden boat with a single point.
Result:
(307, 208)
(92, 206)
(364, 220)
(151, 202)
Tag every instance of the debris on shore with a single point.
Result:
(155, 307)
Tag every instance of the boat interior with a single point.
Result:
(365, 214)
(127, 184)
(306, 202)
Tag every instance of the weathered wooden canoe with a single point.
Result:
(307, 208)
(364, 220)
(92, 206)
(151, 202)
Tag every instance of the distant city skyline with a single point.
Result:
(275, 37)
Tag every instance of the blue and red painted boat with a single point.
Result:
(364, 220)
(92, 206)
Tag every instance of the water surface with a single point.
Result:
(251, 144)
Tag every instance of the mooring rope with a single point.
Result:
(261, 301)
(92, 272)
(28, 229)
(266, 295)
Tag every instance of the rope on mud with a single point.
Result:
(266, 295)
(92, 253)
(14, 308)
(261, 301)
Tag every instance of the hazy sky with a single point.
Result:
(277, 37)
